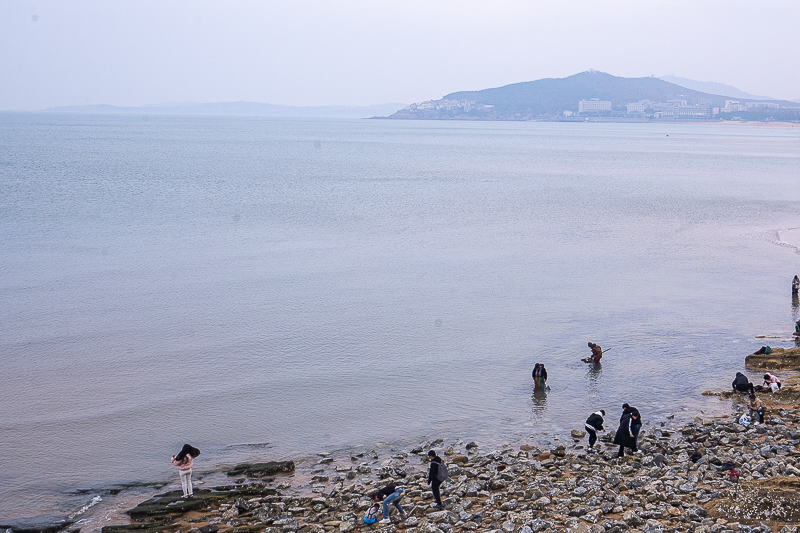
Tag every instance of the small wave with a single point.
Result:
(97, 499)
(253, 445)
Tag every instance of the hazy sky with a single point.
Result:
(361, 52)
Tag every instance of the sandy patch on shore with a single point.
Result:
(791, 236)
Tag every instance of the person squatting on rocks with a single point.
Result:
(771, 382)
(755, 405)
(184, 461)
(390, 495)
(742, 384)
(594, 424)
(765, 350)
(539, 376)
(597, 354)
(434, 476)
(629, 425)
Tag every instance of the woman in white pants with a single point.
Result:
(184, 462)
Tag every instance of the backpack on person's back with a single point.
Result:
(441, 472)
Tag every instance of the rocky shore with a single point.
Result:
(682, 481)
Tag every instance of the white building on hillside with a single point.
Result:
(593, 105)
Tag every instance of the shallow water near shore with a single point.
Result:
(267, 289)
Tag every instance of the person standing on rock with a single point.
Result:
(624, 436)
(597, 354)
(435, 478)
(184, 461)
(390, 495)
(594, 424)
(636, 422)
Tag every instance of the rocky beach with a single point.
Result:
(708, 475)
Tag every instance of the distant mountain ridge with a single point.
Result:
(550, 98)
(236, 109)
(713, 87)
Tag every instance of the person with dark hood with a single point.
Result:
(184, 461)
(434, 477)
(594, 424)
(742, 384)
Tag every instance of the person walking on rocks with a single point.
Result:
(390, 495)
(437, 473)
(594, 424)
(624, 436)
(184, 461)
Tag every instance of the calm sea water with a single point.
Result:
(265, 289)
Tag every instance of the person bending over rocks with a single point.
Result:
(594, 424)
(756, 406)
(771, 382)
(742, 384)
(390, 495)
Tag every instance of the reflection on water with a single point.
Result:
(539, 398)
(593, 377)
(795, 306)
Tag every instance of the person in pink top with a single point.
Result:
(184, 461)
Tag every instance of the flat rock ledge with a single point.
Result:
(681, 482)
(779, 359)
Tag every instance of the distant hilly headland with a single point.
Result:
(597, 96)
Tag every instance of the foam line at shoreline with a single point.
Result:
(790, 236)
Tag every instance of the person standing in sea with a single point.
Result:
(597, 354)
(184, 461)
(539, 376)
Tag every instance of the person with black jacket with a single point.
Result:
(388, 495)
(594, 424)
(624, 435)
(433, 477)
(742, 384)
(539, 376)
